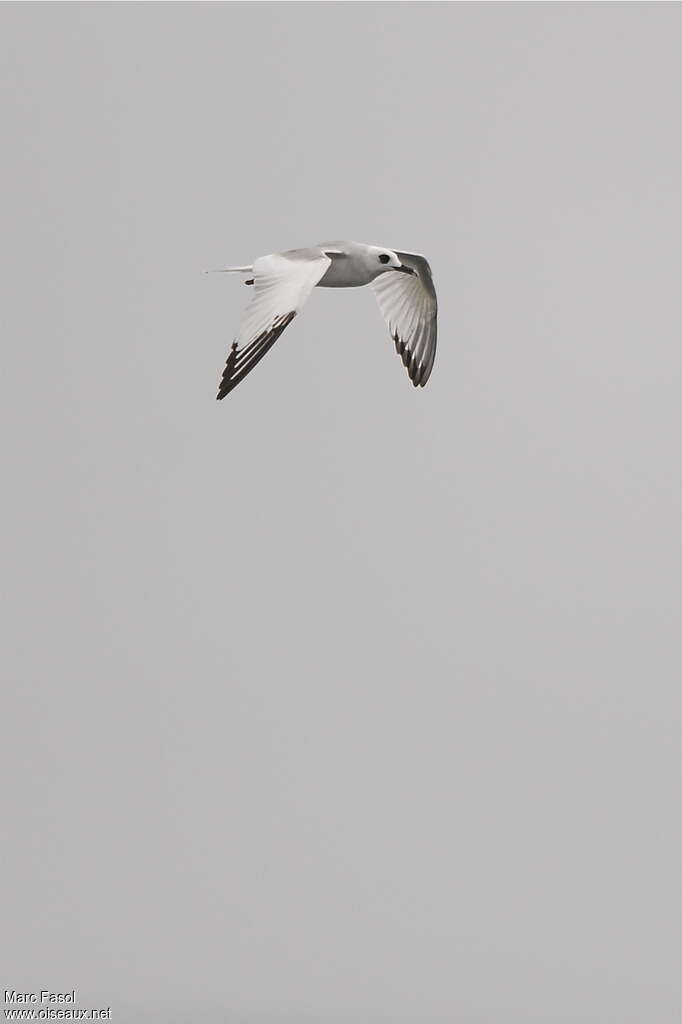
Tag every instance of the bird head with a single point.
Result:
(384, 260)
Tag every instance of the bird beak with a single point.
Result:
(404, 270)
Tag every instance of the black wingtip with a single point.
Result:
(240, 362)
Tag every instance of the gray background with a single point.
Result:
(337, 700)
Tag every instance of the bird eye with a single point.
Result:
(384, 258)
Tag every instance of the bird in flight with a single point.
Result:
(283, 281)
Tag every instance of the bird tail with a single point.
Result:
(230, 270)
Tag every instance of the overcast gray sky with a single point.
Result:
(337, 700)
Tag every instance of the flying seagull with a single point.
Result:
(283, 281)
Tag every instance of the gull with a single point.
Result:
(283, 281)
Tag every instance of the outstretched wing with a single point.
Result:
(410, 308)
(283, 282)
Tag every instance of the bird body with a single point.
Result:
(283, 282)
(352, 264)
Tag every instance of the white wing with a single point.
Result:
(410, 308)
(283, 282)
